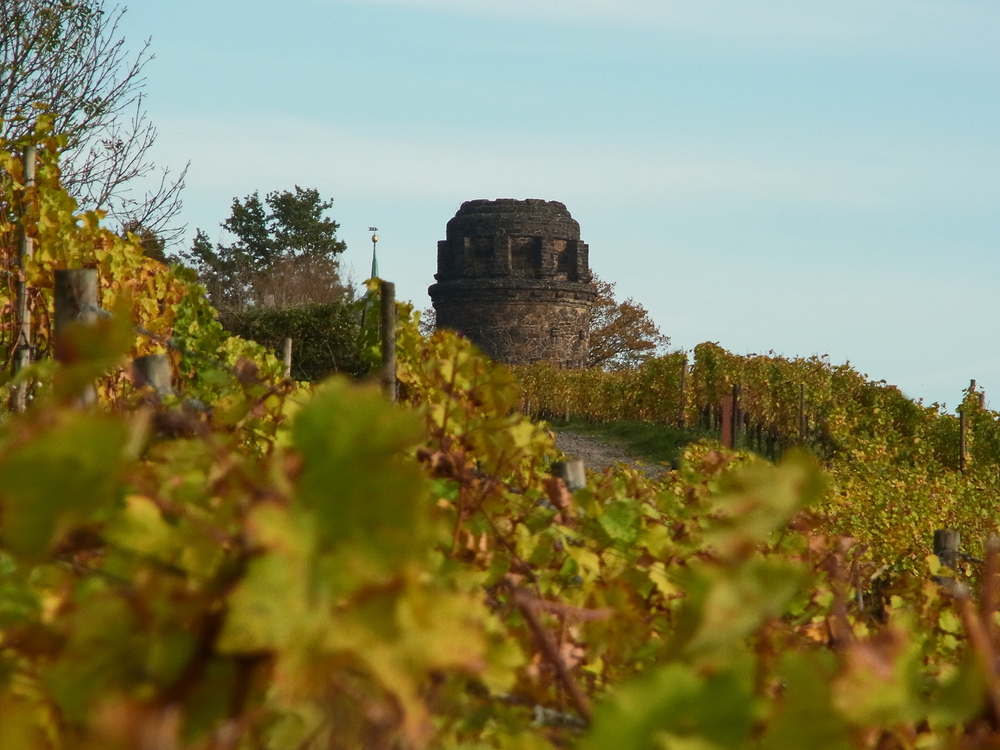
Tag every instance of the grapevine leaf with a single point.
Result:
(676, 701)
(68, 471)
(804, 716)
(355, 476)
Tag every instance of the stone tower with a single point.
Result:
(513, 277)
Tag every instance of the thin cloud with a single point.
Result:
(427, 166)
(889, 23)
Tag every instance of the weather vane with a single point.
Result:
(373, 230)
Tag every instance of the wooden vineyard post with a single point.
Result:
(734, 417)
(681, 420)
(963, 427)
(388, 321)
(726, 431)
(22, 349)
(75, 303)
(946, 544)
(980, 396)
(154, 370)
(730, 413)
(286, 355)
(572, 472)
(75, 299)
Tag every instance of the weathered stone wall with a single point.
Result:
(514, 277)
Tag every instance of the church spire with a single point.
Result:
(374, 257)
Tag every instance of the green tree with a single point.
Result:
(221, 272)
(69, 58)
(285, 252)
(299, 226)
(622, 334)
(248, 222)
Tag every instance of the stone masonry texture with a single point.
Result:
(514, 277)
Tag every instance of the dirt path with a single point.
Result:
(598, 454)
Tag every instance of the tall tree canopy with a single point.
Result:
(622, 334)
(68, 58)
(285, 252)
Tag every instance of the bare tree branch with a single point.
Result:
(69, 58)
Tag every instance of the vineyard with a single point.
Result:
(899, 469)
(239, 561)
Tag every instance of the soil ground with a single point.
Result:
(598, 454)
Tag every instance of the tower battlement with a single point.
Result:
(514, 277)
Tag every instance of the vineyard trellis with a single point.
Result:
(312, 567)
(768, 403)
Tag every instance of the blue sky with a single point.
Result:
(807, 177)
